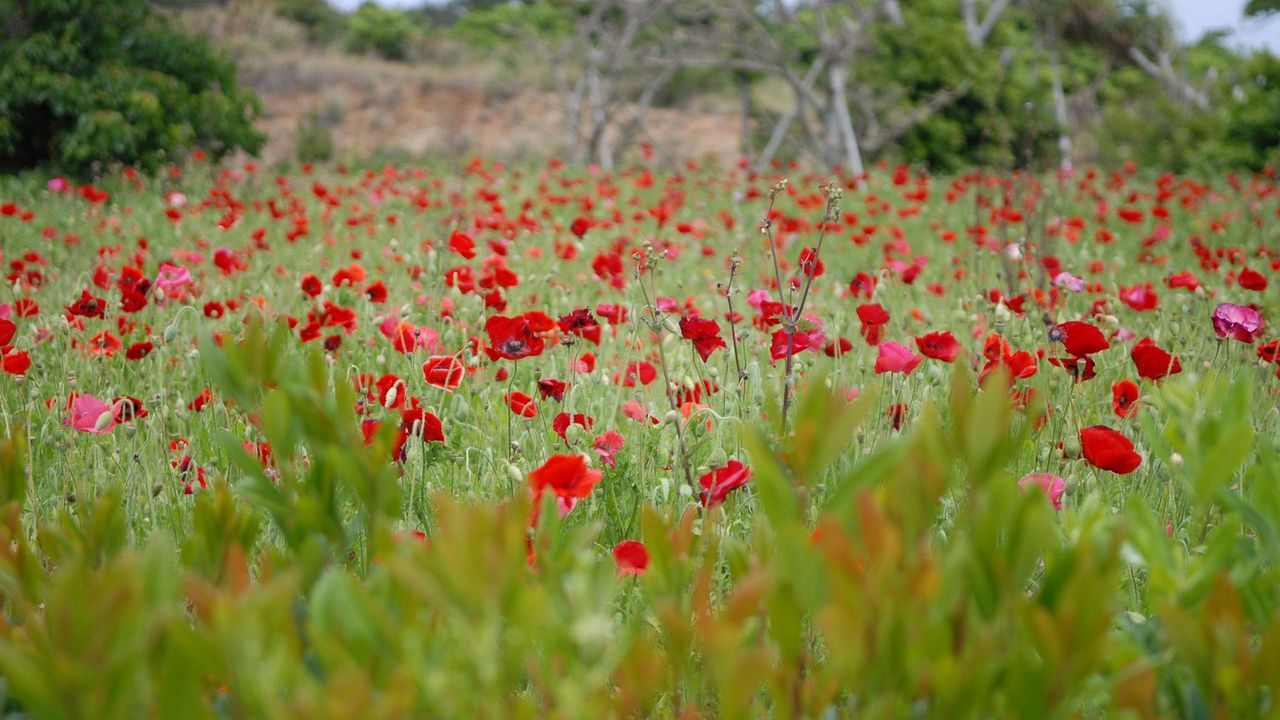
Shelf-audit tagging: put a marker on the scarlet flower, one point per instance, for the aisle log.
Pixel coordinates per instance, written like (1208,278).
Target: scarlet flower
(1080,338)
(443,371)
(15,362)
(561,423)
(1107,449)
(200,401)
(939,346)
(1140,297)
(839,346)
(567,477)
(511,338)
(1237,322)
(7,331)
(873,317)
(1153,362)
(803,340)
(462,244)
(705,335)
(1080,368)
(607,447)
(311,285)
(579,226)
(811,264)
(718,483)
(392,391)
(521,404)
(376,292)
(1124,396)
(631,557)
(896,358)
(1252,280)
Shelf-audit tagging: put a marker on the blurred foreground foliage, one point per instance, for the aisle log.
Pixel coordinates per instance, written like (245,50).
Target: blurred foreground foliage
(86,83)
(920,583)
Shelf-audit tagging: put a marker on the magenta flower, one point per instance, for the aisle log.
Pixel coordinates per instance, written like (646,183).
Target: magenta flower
(896,358)
(1237,322)
(173,279)
(91,415)
(1051,485)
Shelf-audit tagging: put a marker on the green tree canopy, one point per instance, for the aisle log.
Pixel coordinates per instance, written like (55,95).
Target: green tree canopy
(84,82)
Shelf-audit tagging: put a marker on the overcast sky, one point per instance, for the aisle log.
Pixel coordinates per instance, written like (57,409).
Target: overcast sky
(1194,16)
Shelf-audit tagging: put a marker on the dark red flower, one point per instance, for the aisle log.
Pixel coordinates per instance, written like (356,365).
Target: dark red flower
(87,306)
(311,285)
(1107,449)
(139,350)
(462,244)
(1080,368)
(561,423)
(582,323)
(705,335)
(579,226)
(552,388)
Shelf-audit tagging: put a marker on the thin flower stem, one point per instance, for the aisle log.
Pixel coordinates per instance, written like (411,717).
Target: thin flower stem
(658,326)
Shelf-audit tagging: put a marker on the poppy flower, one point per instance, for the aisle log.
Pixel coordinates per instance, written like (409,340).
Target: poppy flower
(87,306)
(566,476)
(7,331)
(607,447)
(89,414)
(1140,297)
(552,388)
(200,401)
(521,404)
(127,409)
(631,557)
(939,346)
(1107,449)
(896,358)
(1124,396)
(873,317)
(443,371)
(582,323)
(1237,322)
(810,264)
(705,335)
(803,340)
(717,484)
(1051,485)
(392,391)
(1152,361)
(512,338)
(563,421)
(839,346)
(1079,368)
(1252,280)
(462,244)
(16,362)
(579,226)
(1080,338)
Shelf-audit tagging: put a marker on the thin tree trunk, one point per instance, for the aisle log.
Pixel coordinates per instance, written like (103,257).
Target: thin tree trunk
(1060,105)
(853,155)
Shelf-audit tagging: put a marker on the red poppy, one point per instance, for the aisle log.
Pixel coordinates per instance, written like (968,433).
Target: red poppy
(7,331)
(443,371)
(462,244)
(1153,362)
(377,292)
(631,557)
(582,323)
(392,391)
(1140,297)
(579,226)
(718,483)
(873,317)
(607,447)
(1079,368)
(552,388)
(811,264)
(705,335)
(16,362)
(1080,338)
(566,476)
(1252,280)
(87,306)
(1124,395)
(311,285)
(201,400)
(512,338)
(521,404)
(839,346)
(1107,449)
(563,421)
(939,346)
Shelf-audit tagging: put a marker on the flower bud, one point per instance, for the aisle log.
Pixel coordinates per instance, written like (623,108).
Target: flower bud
(170,331)
(104,421)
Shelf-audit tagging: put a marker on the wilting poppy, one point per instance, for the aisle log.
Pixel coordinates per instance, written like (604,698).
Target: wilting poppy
(717,484)
(705,335)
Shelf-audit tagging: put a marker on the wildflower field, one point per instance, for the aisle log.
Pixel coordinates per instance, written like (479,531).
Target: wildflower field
(549,441)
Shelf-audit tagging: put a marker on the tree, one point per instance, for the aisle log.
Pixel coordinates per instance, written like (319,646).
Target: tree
(85,82)
(1261,8)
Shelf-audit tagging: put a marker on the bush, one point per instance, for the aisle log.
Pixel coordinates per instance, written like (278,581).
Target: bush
(86,83)
(383,32)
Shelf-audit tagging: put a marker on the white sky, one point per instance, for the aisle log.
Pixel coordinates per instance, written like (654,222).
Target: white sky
(1194,16)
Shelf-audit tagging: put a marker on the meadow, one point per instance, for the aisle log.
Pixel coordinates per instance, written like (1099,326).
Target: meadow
(551,441)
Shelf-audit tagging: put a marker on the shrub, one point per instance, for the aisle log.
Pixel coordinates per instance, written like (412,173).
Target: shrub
(86,83)
(383,32)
